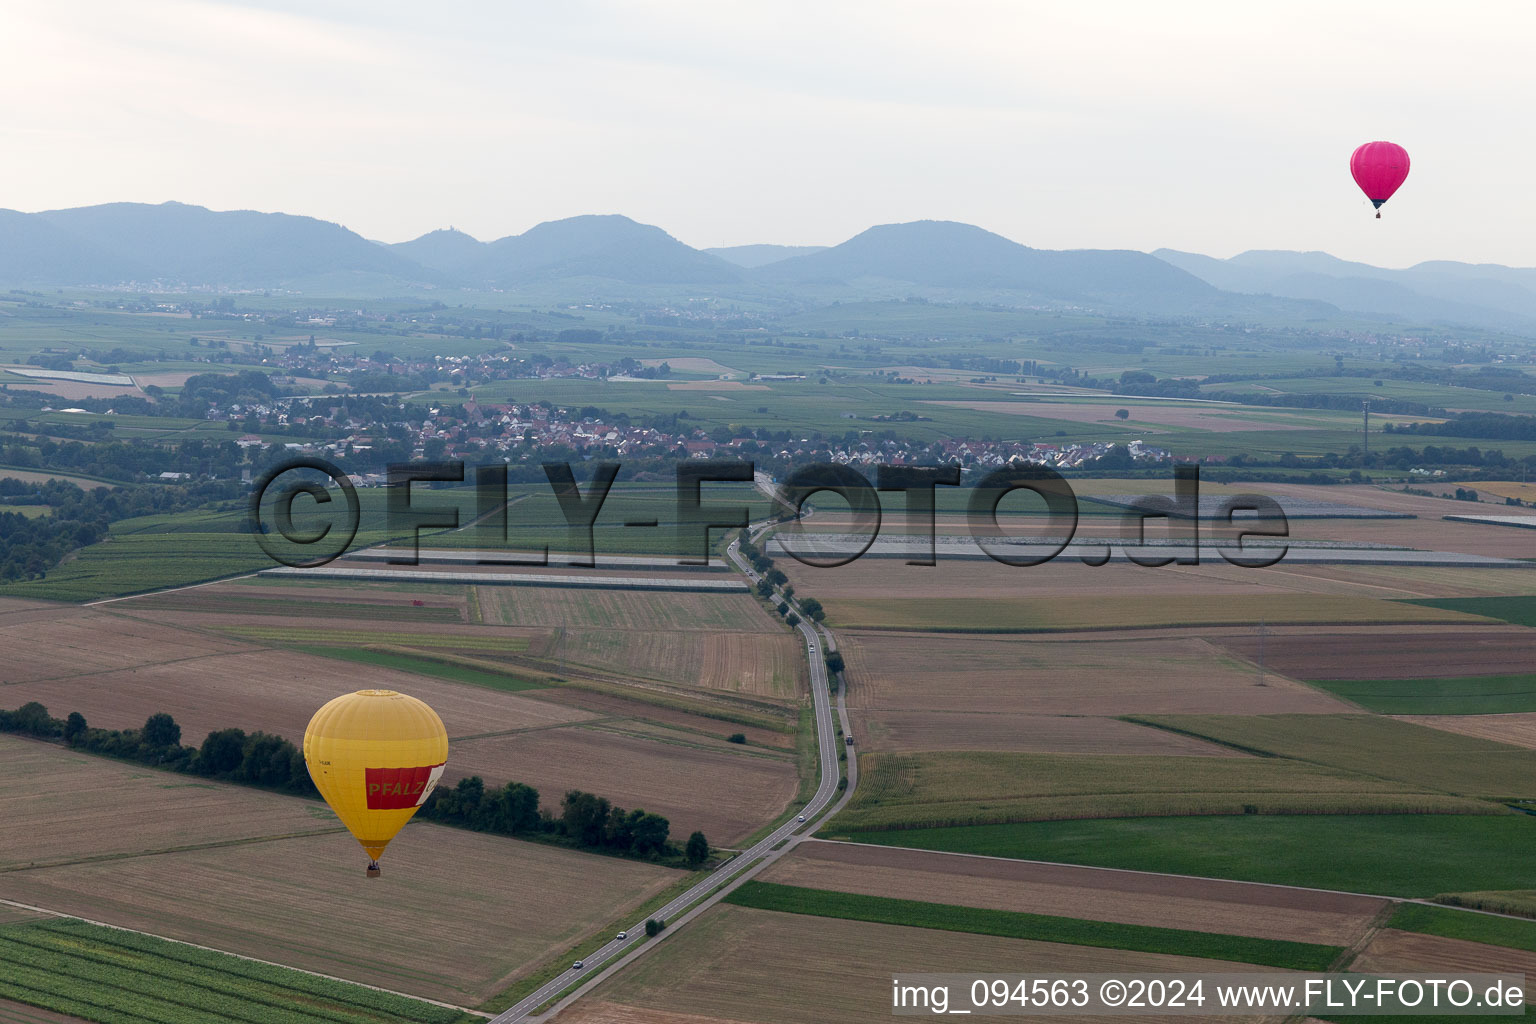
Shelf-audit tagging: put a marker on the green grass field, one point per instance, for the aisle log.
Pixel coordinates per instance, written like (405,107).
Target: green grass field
(1372,746)
(117,977)
(1461,695)
(1459,924)
(1519,610)
(1408,855)
(936,789)
(1299,956)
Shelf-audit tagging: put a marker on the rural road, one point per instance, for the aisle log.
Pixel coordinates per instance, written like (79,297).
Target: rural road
(744,865)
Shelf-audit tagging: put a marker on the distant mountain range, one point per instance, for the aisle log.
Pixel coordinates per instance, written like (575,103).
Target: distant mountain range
(1482,295)
(174,245)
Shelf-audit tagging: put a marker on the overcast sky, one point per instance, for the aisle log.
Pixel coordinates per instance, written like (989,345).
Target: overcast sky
(1211,127)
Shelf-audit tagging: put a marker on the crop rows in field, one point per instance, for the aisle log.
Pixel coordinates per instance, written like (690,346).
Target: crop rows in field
(106,975)
(621,609)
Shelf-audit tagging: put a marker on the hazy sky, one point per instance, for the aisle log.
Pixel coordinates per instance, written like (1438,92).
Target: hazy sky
(1212,127)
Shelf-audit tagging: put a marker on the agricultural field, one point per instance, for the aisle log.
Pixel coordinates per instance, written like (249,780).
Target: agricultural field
(1014,924)
(740,964)
(761,665)
(942,789)
(1083,675)
(1517,730)
(624,610)
(1464,695)
(20,1013)
(1400,855)
(108,975)
(1371,745)
(62,807)
(725,790)
(207,682)
(1040,615)
(1200,905)
(1392,950)
(1404,653)
(234,868)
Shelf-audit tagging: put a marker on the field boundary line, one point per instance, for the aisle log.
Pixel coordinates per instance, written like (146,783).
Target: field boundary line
(134,854)
(168,590)
(240,956)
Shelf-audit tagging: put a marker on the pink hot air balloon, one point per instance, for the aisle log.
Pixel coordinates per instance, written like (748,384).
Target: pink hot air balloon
(1379,169)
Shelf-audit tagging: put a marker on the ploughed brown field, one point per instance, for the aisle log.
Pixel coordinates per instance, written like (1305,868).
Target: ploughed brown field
(1405,653)
(1088,676)
(1410,952)
(476,910)
(58,807)
(1518,728)
(725,791)
(1129,897)
(738,964)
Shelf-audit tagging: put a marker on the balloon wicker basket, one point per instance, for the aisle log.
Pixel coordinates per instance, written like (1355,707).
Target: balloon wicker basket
(373,869)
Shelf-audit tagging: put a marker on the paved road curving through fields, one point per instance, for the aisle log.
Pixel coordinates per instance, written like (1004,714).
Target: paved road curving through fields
(738,869)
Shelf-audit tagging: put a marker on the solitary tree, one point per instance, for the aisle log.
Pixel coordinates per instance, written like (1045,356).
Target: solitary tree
(1122,414)
(697,850)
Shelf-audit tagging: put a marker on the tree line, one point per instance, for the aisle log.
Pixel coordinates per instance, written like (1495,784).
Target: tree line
(586,820)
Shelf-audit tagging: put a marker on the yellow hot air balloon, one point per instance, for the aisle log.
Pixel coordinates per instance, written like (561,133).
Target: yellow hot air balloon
(375,756)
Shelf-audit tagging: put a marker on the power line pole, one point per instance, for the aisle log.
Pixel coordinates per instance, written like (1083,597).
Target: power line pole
(1365,429)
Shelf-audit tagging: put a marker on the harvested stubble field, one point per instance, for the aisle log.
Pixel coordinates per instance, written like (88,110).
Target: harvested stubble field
(1201,905)
(503,906)
(1410,952)
(1518,730)
(624,609)
(59,807)
(870,579)
(733,963)
(1396,654)
(617,706)
(764,665)
(931,729)
(64,642)
(726,793)
(319,604)
(939,790)
(1113,611)
(1382,748)
(270,690)
(1088,675)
